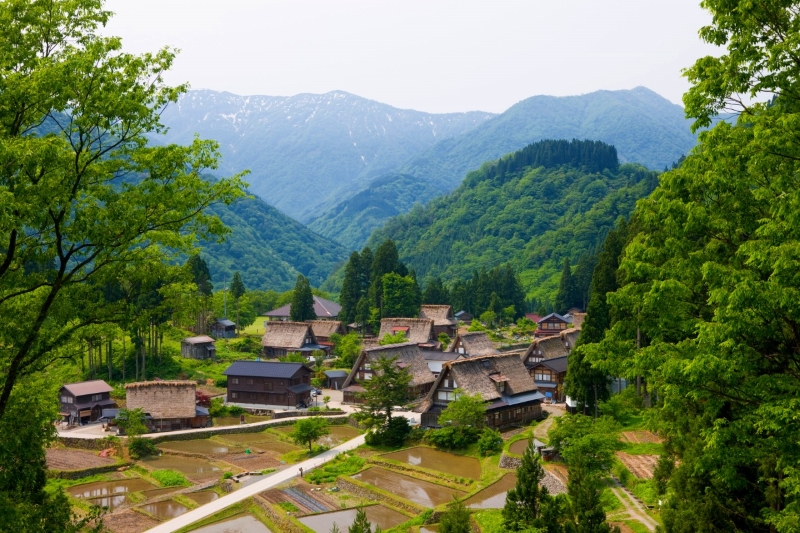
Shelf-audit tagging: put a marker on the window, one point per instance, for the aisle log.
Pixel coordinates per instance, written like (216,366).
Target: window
(367,366)
(501,386)
(249,381)
(234,395)
(461,350)
(445,395)
(66,399)
(367,375)
(234,381)
(268,385)
(97,397)
(542,375)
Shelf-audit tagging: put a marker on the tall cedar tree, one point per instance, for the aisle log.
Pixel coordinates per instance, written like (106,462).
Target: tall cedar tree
(237,291)
(565,298)
(352,289)
(302,308)
(583,381)
(361,524)
(524,503)
(455,519)
(401,297)
(387,388)
(386,261)
(435,293)
(587,507)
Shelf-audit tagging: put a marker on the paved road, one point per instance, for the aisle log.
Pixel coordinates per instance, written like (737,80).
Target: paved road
(251,490)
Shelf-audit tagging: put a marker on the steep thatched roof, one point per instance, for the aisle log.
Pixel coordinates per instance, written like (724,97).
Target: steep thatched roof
(555,346)
(474,343)
(569,336)
(287,335)
(420,330)
(326,328)
(408,355)
(577,319)
(163,399)
(480,375)
(442,315)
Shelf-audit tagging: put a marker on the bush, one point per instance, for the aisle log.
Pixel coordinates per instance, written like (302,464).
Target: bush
(393,435)
(490,442)
(218,408)
(140,447)
(450,437)
(235,410)
(344,464)
(221,382)
(169,478)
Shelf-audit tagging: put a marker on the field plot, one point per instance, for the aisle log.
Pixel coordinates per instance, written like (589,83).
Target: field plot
(641,466)
(128,521)
(638,437)
(68,459)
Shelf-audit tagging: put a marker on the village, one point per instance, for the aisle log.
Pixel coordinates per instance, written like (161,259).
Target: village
(245,445)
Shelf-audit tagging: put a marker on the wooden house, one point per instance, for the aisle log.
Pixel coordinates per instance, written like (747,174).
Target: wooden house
(436,360)
(549,375)
(268,383)
(223,329)
(473,343)
(408,356)
(417,330)
(323,329)
(334,379)
(200,347)
(324,309)
(84,401)
(443,319)
(281,338)
(169,405)
(552,324)
(463,317)
(502,381)
(551,347)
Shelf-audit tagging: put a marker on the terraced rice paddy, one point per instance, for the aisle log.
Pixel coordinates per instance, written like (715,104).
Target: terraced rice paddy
(203,497)
(449,463)
(186,465)
(493,496)
(378,515)
(519,446)
(111,494)
(415,490)
(242,523)
(202,446)
(338,434)
(165,510)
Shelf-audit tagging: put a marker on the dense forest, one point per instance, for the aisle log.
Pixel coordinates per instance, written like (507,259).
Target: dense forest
(551,201)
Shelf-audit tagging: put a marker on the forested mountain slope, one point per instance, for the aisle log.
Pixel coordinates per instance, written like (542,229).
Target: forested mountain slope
(532,208)
(268,248)
(309,151)
(644,127)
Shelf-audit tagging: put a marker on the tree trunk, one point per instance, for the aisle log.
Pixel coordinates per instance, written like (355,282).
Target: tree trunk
(108,357)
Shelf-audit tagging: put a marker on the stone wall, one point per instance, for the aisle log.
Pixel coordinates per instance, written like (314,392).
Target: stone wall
(357,489)
(279,519)
(90,444)
(510,462)
(77,474)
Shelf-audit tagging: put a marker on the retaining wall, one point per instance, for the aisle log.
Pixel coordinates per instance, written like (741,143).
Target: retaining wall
(226,430)
(77,474)
(280,519)
(353,487)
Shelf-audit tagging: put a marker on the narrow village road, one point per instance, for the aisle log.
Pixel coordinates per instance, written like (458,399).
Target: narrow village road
(632,507)
(251,490)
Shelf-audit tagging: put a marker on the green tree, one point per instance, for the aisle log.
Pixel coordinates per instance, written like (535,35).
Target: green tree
(524,503)
(352,289)
(565,297)
(346,348)
(302,308)
(455,519)
(397,338)
(238,290)
(386,261)
(466,411)
(400,296)
(435,292)
(387,388)
(361,524)
(584,488)
(308,430)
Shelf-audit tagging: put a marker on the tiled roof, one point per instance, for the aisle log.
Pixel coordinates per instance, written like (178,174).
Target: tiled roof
(262,369)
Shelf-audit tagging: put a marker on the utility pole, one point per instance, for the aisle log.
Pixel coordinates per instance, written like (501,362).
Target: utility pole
(225,300)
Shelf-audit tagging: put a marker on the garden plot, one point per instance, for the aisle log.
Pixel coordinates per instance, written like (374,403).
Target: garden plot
(69,459)
(638,437)
(641,466)
(378,515)
(128,521)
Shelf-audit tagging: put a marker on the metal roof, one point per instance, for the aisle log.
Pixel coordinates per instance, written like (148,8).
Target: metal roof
(556,315)
(96,386)
(522,398)
(556,364)
(200,339)
(263,369)
(336,373)
(226,322)
(300,388)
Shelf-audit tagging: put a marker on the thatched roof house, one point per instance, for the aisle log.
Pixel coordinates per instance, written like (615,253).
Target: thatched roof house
(473,343)
(551,347)
(502,381)
(281,338)
(408,355)
(442,316)
(417,330)
(163,399)
(323,329)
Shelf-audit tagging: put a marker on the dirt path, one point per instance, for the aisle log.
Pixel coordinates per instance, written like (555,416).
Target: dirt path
(541,429)
(632,507)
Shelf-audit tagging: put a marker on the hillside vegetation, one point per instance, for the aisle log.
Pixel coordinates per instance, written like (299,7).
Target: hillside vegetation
(532,208)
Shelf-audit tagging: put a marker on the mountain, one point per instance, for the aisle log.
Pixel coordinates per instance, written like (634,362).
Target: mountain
(532,208)
(644,127)
(309,151)
(269,248)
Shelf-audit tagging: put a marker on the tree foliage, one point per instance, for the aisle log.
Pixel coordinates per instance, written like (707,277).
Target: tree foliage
(455,519)
(307,430)
(387,388)
(302,308)
(401,296)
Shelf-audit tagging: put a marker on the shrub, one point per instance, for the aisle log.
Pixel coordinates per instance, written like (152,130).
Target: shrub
(235,410)
(140,447)
(450,437)
(490,442)
(221,382)
(169,478)
(227,475)
(344,464)
(394,434)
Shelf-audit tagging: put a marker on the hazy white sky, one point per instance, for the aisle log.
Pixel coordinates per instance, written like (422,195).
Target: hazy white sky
(432,55)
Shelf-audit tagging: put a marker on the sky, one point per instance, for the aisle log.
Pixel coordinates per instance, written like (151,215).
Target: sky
(433,55)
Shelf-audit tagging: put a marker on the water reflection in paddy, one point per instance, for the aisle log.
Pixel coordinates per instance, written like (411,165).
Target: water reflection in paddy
(378,515)
(106,488)
(449,463)
(165,510)
(338,434)
(204,446)
(493,496)
(415,490)
(519,446)
(243,523)
(204,497)
(187,465)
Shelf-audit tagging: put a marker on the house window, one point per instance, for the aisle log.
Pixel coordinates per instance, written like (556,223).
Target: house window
(97,397)
(445,395)
(542,375)
(234,381)
(367,375)
(461,350)
(234,395)
(249,381)
(367,366)
(501,386)
(268,385)
(66,399)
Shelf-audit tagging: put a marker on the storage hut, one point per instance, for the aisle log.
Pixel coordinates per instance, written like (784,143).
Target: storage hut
(200,347)
(223,329)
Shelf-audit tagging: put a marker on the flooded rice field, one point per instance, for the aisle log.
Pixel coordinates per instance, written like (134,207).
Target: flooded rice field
(203,497)
(204,446)
(242,523)
(108,488)
(268,442)
(428,529)
(155,493)
(493,496)
(449,463)
(415,490)
(220,421)
(519,446)
(185,465)
(165,510)
(338,434)
(378,515)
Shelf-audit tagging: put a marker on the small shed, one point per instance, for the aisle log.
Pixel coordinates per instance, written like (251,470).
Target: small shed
(200,347)
(463,316)
(335,379)
(223,329)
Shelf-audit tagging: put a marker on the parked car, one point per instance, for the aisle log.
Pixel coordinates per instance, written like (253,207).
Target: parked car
(315,391)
